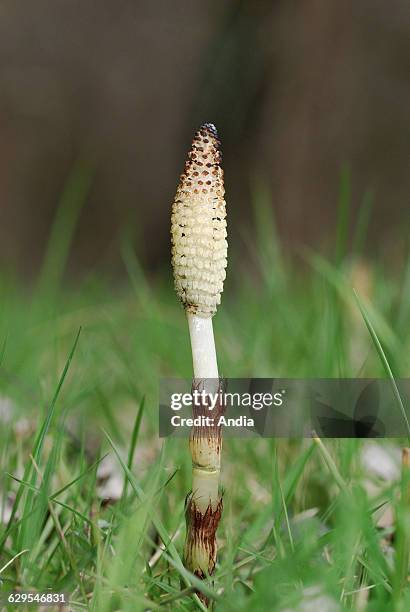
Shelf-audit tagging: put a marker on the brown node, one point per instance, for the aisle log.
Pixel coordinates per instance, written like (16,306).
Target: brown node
(201,533)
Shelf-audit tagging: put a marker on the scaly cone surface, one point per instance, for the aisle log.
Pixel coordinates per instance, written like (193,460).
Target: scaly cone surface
(198,227)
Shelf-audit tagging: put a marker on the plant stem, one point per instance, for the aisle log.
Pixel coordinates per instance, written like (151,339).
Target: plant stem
(204,504)
(203,347)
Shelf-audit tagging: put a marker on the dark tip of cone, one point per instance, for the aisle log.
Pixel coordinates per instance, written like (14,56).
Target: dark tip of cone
(209,127)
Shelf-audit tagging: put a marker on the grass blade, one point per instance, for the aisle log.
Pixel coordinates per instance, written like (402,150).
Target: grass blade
(384,361)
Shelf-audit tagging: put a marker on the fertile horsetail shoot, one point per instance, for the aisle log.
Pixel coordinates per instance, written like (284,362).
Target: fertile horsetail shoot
(199,258)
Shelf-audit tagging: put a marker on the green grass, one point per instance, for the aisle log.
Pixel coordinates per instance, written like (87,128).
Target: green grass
(301,517)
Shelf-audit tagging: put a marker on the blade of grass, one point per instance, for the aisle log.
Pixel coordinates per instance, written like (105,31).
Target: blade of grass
(133,444)
(72,200)
(30,474)
(346,292)
(142,497)
(38,445)
(384,361)
(333,469)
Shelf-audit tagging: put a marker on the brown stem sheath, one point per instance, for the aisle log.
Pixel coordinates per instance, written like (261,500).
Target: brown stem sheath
(203,505)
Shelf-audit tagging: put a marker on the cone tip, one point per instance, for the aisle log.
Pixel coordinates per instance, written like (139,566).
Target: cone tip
(210,128)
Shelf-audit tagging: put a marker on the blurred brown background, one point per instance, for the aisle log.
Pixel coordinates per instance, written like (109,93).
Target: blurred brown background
(296,89)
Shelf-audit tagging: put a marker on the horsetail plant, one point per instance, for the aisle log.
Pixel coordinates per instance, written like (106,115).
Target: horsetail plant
(199,258)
